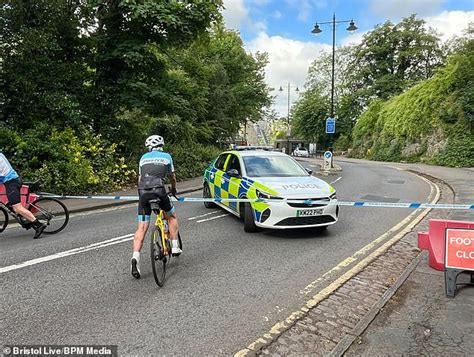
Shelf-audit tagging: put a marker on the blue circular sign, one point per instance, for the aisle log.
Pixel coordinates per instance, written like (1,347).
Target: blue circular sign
(327,154)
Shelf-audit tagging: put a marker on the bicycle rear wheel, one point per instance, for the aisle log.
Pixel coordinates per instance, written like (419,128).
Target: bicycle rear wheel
(52,212)
(158,258)
(3,219)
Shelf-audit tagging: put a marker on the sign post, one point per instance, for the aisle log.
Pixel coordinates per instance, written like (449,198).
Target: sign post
(459,257)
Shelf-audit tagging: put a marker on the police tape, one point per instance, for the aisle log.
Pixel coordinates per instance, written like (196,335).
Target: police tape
(301,203)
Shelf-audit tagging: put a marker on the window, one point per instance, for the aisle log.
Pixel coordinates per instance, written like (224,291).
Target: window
(234,163)
(221,161)
(272,166)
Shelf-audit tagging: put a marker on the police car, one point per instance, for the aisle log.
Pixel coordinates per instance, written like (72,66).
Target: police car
(254,174)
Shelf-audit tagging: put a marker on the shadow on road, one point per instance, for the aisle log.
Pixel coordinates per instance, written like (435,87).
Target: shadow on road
(296,233)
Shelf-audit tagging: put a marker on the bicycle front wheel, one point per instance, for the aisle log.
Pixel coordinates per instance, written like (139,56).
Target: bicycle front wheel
(158,258)
(3,219)
(52,212)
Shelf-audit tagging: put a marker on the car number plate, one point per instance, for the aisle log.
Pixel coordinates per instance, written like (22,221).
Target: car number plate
(309,212)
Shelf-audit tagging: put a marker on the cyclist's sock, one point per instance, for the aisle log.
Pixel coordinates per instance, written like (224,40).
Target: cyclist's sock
(175,249)
(136,255)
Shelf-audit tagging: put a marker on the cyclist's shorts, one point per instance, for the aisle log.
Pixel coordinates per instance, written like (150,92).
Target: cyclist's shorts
(12,189)
(144,207)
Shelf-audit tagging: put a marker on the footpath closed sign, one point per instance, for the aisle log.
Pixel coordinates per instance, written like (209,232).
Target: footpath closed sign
(460,249)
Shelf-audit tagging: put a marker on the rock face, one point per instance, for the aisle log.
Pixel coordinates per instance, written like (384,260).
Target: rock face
(412,149)
(427,146)
(435,143)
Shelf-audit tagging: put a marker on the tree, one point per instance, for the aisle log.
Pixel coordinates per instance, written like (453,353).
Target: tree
(309,116)
(126,37)
(319,82)
(392,58)
(43,61)
(220,85)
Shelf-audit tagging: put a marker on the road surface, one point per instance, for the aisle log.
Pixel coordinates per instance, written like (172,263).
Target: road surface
(228,287)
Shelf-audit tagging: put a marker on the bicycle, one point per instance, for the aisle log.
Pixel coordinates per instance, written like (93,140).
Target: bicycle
(160,244)
(50,211)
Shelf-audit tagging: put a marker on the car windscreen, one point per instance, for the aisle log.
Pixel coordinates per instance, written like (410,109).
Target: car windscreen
(272,166)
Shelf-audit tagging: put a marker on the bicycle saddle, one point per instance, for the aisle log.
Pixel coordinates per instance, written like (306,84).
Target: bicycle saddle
(155,204)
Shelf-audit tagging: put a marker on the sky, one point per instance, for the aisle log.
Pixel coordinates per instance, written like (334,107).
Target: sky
(282,28)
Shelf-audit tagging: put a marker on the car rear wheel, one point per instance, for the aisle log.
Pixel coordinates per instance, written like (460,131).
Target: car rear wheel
(249,221)
(206,193)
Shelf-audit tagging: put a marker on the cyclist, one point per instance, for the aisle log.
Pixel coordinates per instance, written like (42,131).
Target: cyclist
(12,182)
(154,167)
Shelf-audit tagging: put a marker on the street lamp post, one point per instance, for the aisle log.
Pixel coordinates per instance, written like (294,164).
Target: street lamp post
(288,116)
(317,30)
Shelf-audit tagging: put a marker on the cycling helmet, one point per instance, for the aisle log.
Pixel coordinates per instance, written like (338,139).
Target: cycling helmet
(154,142)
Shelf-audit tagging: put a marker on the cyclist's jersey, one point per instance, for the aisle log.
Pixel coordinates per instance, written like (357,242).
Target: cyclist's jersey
(6,171)
(154,167)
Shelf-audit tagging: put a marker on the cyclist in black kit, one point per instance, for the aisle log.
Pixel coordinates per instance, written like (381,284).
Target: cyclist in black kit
(155,167)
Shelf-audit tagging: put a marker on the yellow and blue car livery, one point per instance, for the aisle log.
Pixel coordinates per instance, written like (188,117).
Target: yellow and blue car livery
(228,177)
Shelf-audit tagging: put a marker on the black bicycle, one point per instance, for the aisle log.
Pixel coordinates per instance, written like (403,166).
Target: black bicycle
(49,211)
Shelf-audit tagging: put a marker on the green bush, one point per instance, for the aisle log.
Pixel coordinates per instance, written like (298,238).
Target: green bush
(458,153)
(432,112)
(65,162)
(342,143)
(191,160)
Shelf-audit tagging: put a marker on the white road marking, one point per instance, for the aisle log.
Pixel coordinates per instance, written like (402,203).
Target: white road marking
(212,218)
(105,243)
(202,215)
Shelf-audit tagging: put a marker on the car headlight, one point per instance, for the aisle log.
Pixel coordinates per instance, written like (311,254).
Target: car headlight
(333,196)
(267,196)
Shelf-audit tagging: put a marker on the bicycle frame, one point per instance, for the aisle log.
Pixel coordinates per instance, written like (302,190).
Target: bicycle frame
(160,224)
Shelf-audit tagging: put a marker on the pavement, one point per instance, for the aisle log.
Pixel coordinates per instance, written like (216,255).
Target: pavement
(415,319)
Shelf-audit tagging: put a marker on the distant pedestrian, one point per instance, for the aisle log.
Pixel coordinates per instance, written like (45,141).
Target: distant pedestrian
(12,182)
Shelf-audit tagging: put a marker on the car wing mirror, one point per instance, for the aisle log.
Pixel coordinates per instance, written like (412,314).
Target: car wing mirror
(309,171)
(233,173)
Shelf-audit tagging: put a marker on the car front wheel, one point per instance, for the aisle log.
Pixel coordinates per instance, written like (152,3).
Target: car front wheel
(249,221)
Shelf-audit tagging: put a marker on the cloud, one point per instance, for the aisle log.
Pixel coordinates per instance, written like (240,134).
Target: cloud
(235,13)
(236,16)
(446,23)
(277,14)
(289,61)
(450,23)
(395,9)
(353,39)
(306,8)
